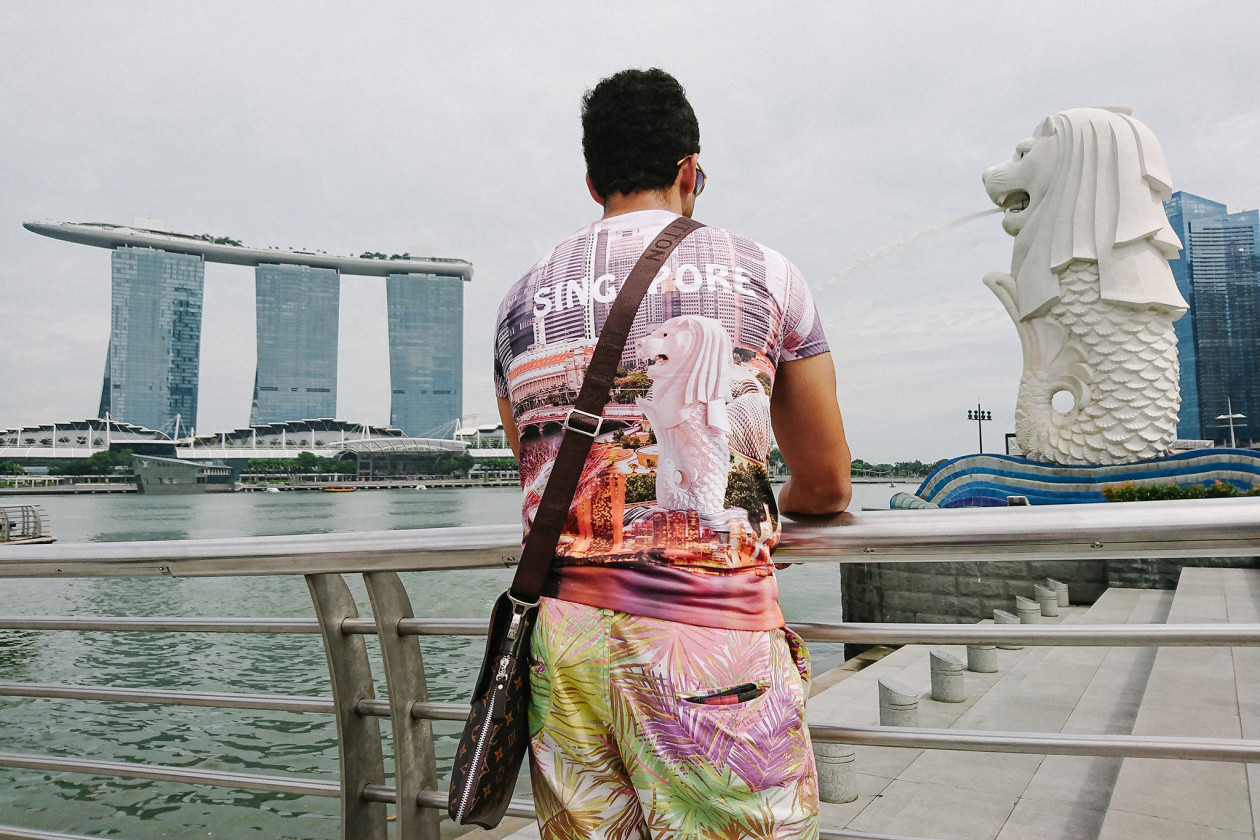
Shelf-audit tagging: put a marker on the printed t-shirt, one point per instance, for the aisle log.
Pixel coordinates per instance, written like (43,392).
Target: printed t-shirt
(674,516)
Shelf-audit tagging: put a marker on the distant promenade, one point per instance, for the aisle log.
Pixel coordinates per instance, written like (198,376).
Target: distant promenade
(66,486)
(49,485)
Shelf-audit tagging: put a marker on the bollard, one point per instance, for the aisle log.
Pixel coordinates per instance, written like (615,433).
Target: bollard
(1003,617)
(1047,600)
(947,678)
(1060,589)
(898,704)
(837,772)
(982,659)
(1028,610)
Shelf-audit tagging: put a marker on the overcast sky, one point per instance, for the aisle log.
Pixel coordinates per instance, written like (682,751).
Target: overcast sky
(829,130)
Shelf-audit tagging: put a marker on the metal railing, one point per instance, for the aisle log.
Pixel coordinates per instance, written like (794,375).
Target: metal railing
(1216,528)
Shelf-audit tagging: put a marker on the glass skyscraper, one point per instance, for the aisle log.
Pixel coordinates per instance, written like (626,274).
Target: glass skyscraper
(1220,348)
(152,366)
(297,308)
(426,353)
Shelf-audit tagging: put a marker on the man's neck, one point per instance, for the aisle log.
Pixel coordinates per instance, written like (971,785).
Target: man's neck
(618,204)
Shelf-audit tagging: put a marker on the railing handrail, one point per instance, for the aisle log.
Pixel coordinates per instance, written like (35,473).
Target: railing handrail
(1074,635)
(1188,528)
(1224,527)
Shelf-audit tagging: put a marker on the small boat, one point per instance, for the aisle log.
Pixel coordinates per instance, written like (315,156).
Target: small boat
(339,489)
(273,490)
(421,487)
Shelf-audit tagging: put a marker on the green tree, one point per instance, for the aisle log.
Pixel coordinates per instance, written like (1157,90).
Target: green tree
(459,464)
(11,468)
(102,463)
(777,465)
(748,487)
(640,487)
(307,462)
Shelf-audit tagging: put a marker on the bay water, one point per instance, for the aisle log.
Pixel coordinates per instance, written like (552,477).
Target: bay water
(244,741)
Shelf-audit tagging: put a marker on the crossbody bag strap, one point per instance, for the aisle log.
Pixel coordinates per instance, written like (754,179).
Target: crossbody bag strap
(585,420)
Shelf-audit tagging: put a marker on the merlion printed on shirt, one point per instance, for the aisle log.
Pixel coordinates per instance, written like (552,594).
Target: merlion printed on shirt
(688,361)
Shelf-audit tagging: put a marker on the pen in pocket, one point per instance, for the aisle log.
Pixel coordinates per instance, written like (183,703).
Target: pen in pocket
(730,696)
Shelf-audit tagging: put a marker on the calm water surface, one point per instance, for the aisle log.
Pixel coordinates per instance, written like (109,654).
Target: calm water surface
(241,740)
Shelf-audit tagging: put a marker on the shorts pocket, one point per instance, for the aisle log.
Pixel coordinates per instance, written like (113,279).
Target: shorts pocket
(760,739)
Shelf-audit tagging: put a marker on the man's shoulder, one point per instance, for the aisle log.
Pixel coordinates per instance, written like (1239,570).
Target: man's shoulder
(747,244)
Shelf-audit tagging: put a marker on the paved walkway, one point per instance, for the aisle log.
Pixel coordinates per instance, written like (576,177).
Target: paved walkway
(1204,693)
(974,795)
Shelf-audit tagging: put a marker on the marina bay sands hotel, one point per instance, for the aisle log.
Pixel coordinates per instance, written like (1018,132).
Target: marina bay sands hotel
(153,361)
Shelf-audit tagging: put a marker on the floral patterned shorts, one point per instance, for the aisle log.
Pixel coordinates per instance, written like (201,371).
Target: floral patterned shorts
(642,728)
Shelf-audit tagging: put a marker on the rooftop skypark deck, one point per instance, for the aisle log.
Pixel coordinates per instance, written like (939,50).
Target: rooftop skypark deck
(118,236)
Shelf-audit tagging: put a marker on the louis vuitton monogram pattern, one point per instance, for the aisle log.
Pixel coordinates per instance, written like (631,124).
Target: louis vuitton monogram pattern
(495,737)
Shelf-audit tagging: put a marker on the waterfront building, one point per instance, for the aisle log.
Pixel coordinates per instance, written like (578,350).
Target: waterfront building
(151,371)
(1182,209)
(296,375)
(426,353)
(152,364)
(1218,272)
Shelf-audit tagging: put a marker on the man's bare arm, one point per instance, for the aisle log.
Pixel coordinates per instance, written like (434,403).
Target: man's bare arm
(810,434)
(509,427)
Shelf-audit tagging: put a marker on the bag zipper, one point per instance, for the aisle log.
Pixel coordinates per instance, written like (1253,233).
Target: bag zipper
(494,708)
(492,713)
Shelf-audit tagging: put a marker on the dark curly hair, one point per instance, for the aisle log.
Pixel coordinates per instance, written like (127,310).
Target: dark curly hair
(635,127)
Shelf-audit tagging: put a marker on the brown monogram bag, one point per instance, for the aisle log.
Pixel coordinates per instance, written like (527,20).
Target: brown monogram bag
(496,735)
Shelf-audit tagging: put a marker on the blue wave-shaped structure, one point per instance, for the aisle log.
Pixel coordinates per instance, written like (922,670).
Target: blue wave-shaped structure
(987,480)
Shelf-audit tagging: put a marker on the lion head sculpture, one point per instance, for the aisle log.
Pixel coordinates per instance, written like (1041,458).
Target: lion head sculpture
(1088,185)
(688,360)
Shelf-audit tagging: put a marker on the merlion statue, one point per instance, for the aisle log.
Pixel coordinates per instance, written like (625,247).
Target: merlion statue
(689,361)
(1090,290)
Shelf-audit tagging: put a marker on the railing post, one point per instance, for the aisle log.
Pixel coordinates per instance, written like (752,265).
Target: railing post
(358,736)
(1060,590)
(1004,617)
(898,704)
(947,678)
(415,765)
(1047,599)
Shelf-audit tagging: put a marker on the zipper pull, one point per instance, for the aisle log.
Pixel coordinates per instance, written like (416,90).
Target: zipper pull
(498,694)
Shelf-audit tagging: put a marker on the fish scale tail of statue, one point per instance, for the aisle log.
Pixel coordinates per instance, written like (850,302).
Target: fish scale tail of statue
(1090,290)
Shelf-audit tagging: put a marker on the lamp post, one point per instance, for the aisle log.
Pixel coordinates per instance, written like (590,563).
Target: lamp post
(980,416)
(1231,417)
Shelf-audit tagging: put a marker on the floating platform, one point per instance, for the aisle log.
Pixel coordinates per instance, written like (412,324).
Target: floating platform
(23,525)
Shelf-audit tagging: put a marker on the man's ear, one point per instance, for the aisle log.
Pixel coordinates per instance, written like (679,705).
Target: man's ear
(685,180)
(591,187)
